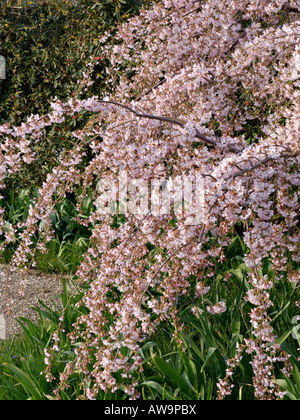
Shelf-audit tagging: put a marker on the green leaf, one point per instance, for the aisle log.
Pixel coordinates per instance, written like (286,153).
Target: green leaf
(170,372)
(210,352)
(12,390)
(190,342)
(236,323)
(284,336)
(26,381)
(158,388)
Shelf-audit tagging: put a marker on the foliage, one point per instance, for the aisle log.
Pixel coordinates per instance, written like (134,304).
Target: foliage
(47,46)
(43,63)
(23,359)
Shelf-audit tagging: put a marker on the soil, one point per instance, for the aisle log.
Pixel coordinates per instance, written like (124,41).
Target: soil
(17,301)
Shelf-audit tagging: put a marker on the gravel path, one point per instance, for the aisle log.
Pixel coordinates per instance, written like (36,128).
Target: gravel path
(15,304)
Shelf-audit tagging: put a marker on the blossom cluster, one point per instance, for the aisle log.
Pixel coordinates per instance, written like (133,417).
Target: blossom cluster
(198,73)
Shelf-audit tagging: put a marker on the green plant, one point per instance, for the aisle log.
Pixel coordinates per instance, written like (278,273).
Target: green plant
(62,256)
(47,46)
(43,63)
(187,364)
(23,360)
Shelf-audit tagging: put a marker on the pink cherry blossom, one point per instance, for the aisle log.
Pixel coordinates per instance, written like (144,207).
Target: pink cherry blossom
(176,111)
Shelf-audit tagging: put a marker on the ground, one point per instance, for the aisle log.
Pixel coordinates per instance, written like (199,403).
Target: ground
(15,302)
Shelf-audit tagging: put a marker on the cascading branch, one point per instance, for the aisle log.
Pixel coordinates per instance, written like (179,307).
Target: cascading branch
(197,74)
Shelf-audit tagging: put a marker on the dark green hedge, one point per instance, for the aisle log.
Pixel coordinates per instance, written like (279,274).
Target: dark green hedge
(46,44)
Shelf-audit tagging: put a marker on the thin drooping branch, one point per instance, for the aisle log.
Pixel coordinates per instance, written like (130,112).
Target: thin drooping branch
(290,9)
(151,89)
(161,267)
(174,121)
(200,239)
(257,165)
(252,168)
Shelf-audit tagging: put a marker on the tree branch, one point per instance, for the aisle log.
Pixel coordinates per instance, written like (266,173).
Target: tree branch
(290,9)
(151,89)
(174,121)
(257,165)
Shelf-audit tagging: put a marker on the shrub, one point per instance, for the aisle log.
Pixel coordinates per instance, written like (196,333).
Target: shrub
(185,83)
(47,46)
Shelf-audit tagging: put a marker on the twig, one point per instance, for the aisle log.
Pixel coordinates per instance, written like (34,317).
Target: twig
(151,89)
(174,121)
(257,165)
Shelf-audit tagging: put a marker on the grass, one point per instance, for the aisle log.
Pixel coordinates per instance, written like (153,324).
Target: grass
(62,257)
